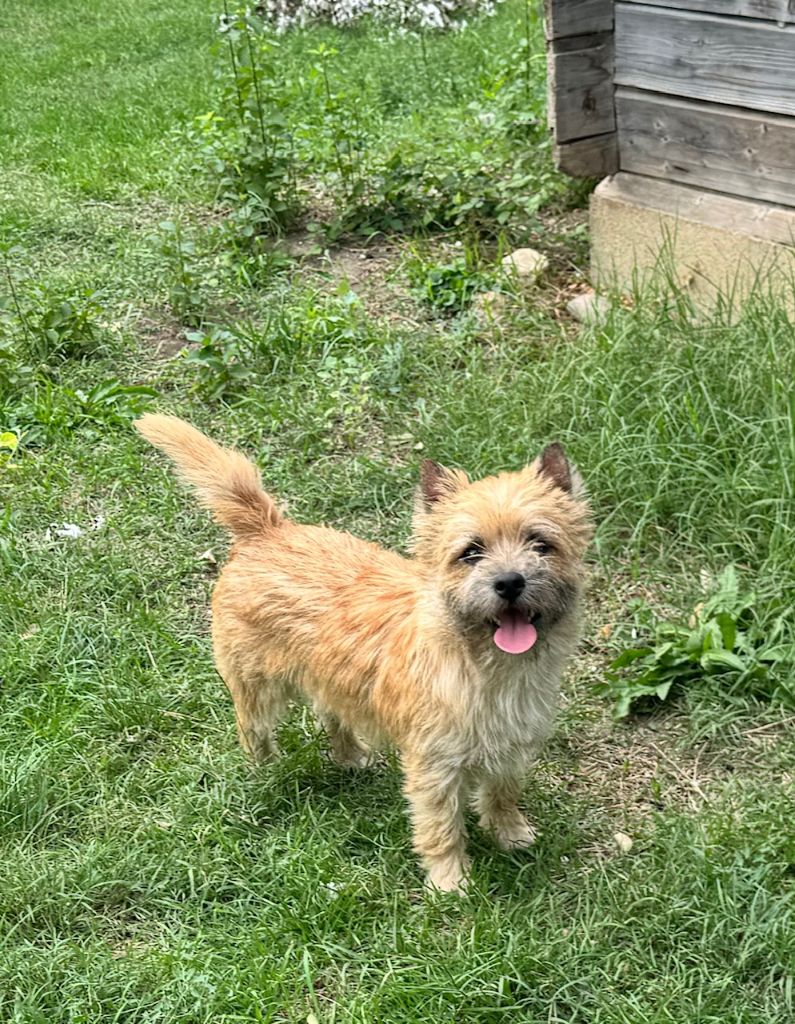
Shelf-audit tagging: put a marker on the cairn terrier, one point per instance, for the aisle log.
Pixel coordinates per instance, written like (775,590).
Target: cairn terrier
(455,655)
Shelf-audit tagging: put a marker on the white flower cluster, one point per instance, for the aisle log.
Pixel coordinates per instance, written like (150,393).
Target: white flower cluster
(409,14)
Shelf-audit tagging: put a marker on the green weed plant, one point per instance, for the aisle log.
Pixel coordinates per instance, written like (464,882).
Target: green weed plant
(725,639)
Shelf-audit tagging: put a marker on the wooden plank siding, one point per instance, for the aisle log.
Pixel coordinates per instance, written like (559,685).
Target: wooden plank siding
(768,10)
(577,17)
(581,88)
(716,147)
(593,157)
(728,60)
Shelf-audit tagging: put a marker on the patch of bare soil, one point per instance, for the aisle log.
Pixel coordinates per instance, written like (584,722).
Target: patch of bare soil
(369,268)
(161,334)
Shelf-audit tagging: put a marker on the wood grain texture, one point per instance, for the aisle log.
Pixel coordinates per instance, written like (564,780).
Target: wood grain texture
(581,92)
(593,157)
(700,56)
(577,17)
(716,147)
(767,10)
(760,220)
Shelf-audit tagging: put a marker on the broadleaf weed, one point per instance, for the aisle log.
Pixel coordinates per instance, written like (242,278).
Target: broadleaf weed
(725,636)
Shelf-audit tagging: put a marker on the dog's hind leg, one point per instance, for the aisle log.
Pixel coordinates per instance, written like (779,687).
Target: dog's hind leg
(345,747)
(259,704)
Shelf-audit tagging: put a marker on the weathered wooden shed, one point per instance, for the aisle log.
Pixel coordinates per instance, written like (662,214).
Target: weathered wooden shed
(688,108)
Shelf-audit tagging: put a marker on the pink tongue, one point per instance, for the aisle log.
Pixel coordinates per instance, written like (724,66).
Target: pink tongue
(515,634)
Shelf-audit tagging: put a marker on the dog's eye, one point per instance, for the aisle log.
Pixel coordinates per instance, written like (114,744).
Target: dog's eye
(472,554)
(540,544)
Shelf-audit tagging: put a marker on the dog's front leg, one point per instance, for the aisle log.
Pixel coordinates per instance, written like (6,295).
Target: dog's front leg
(495,799)
(436,797)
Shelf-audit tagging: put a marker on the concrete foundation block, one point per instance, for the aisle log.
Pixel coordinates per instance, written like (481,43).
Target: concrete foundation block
(706,244)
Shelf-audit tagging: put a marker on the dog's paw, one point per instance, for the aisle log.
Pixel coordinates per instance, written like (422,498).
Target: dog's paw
(263,755)
(352,755)
(513,835)
(449,875)
(357,759)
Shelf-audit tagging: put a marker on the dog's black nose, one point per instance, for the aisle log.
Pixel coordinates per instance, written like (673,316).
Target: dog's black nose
(509,585)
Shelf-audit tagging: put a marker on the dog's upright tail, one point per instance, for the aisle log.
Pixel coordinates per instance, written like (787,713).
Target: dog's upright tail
(227,482)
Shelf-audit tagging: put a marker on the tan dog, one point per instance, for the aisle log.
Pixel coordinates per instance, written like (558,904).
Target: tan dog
(455,655)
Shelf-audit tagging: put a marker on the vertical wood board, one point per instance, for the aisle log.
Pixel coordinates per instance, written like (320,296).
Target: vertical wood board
(593,157)
(581,92)
(577,17)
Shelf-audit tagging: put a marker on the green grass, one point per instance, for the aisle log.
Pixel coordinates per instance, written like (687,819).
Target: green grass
(89,90)
(147,874)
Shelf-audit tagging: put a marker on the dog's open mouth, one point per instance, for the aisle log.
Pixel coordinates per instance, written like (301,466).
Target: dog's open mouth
(515,632)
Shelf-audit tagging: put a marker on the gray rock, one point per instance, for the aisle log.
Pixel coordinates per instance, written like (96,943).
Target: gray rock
(589,308)
(526,264)
(489,305)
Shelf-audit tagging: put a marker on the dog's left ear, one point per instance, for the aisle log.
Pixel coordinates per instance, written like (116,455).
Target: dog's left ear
(555,466)
(437,483)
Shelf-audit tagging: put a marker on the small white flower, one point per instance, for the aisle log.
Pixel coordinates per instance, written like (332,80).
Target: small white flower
(423,14)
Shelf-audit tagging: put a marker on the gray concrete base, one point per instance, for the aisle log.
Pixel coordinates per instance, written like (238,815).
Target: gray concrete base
(704,243)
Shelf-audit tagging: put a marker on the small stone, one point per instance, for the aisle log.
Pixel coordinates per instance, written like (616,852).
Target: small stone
(489,304)
(623,841)
(589,308)
(69,530)
(527,264)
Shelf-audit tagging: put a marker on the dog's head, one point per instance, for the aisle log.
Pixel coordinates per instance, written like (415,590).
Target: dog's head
(506,551)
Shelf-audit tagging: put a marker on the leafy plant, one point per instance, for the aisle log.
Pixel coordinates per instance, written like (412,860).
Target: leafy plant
(723,637)
(346,381)
(339,124)
(228,360)
(15,375)
(223,362)
(9,443)
(49,323)
(48,410)
(278,119)
(185,294)
(252,260)
(448,288)
(250,145)
(63,326)
(110,401)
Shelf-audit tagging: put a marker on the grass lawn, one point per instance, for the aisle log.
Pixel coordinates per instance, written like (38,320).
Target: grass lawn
(147,873)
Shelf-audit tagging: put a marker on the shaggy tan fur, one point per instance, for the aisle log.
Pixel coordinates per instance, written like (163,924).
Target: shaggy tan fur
(402,650)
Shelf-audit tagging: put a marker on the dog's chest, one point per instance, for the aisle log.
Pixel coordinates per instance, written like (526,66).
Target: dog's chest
(509,713)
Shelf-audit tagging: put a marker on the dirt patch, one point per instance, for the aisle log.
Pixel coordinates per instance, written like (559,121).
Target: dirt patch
(372,269)
(368,268)
(161,335)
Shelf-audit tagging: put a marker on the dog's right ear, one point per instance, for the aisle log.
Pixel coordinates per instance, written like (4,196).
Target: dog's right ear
(437,483)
